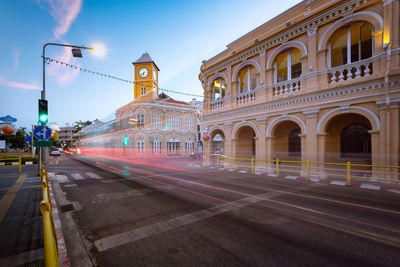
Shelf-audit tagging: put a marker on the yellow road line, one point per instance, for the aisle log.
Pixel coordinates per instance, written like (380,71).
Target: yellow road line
(8,198)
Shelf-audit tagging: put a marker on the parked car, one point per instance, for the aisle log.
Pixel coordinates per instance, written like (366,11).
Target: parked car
(55,152)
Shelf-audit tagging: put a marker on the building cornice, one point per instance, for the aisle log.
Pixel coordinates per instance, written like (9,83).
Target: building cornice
(279,105)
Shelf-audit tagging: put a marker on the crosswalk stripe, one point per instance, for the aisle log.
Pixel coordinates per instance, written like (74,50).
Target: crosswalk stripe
(92,175)
(77,176)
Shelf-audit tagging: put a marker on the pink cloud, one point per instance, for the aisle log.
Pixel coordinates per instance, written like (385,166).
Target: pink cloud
(63,11)
(24,86)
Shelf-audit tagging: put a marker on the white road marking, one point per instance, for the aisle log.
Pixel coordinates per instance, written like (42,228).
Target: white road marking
(77,176)
(370,186)
(164,226)
(60,178)
(338,182)
(314,179)
(291,177)
(92,175)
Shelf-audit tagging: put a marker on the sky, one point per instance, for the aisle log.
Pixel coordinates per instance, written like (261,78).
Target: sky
(177,34)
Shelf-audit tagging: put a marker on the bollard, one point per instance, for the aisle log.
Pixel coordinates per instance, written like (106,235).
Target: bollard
(19,165)
(277,167)
(233,163)
(252,165)
(308,170)
(348,174)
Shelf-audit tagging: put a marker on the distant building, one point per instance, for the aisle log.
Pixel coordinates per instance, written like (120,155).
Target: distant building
(66,136)
(152,124)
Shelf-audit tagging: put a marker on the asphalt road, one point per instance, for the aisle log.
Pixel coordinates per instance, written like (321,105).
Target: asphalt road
(121,212)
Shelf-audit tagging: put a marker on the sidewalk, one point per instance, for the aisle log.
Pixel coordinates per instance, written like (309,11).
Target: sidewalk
(21,228)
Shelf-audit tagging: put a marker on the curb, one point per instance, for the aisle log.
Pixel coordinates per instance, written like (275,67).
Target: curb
(313,180)
(63,257)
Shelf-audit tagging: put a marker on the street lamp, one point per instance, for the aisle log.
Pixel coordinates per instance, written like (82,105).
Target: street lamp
(76,52)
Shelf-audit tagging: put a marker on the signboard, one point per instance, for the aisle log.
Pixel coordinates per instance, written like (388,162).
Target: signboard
(28,139)
(42,132)
(42,143)
(2,144)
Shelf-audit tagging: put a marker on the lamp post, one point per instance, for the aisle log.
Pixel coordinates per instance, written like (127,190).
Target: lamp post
(76,52)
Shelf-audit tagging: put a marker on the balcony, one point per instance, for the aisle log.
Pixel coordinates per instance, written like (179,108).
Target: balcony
(286,87)
(351,71)
(245,97)
(217,104)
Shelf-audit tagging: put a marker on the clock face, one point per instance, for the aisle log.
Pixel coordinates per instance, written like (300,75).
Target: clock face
(143,72)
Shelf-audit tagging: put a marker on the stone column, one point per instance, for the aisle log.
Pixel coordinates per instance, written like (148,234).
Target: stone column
(261,144)
(270,166)
(321,157)
(303,171)
(228,144)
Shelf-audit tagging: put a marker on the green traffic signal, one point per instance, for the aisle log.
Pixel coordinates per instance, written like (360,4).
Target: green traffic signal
(43,114)
(125,141)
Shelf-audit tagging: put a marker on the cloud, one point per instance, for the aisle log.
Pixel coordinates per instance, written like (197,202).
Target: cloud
(63,74)
(24,86)
(15,56)
(63,11)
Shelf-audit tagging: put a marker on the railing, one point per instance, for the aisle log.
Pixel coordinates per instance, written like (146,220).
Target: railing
(13,163)
(351,71)
(217,104)
(308,170)
(286,87)
(49,231)
(245,97)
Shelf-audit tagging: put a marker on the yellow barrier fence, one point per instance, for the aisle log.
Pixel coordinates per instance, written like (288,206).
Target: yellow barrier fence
(3,163)
(322,170)
(49,231)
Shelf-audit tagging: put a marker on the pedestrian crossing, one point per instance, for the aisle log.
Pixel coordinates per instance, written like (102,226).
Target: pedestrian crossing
(78,176)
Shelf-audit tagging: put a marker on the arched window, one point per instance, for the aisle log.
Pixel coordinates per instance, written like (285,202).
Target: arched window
(247,79)
(218,89)
(355,141)
(294,142)
(287,65)
(350,44)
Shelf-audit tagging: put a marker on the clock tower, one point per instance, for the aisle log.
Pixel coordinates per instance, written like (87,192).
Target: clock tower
(146,78)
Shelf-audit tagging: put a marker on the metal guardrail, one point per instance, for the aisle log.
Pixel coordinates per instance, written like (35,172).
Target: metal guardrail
(49,231)
(10,160)
(346,171)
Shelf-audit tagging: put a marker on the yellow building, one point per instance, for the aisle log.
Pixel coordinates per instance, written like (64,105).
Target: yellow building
(153,124)
(319,82)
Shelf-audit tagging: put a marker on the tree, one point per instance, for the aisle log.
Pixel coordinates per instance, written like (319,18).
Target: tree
(17,139)
(81,124)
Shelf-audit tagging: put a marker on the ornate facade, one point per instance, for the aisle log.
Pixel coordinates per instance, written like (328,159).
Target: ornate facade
(319,82)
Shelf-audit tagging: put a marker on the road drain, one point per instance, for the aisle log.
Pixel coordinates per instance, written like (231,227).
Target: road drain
(66,208)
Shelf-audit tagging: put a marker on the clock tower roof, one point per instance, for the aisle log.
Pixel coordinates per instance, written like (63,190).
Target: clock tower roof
(145,58)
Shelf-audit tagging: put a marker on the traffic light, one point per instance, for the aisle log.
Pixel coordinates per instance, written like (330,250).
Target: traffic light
(43,114)
(125,141)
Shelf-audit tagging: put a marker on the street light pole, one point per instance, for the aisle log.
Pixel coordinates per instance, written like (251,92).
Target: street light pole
(42,155)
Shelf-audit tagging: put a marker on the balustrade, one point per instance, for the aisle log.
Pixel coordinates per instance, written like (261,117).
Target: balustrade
(217,104)
(350,71)
(286,87)
(245,97)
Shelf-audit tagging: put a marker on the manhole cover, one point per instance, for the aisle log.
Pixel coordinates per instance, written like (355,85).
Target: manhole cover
(66,208)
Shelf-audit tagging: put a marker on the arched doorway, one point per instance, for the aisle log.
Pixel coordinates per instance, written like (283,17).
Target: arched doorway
(246,143)
(286,142)
(217,142)
(348,139)
(355,141)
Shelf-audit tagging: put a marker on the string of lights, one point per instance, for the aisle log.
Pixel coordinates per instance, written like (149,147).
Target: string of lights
(78,68)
